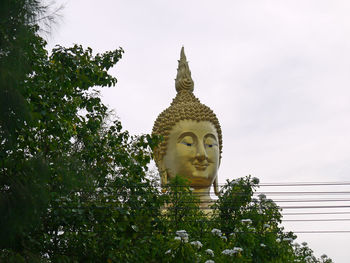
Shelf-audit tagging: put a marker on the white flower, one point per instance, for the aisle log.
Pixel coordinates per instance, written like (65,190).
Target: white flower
(228,252)
(224,238)
(197,244)
(216,232)
(248,221)
(266,225)
(168,252)
(262,245)
(251,228)
(210,252)
(209,261)
(278,240)
(178,238)
(238,249)
(288,239)
(182,234)
(308,259)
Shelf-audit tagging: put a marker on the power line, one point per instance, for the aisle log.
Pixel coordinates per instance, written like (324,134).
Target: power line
(321,232)
(281,193)
(287,220)
(292,207)
(246,232)
(311,200)
(278,201)
(316,206)
(305,192)
(305,183)
(283,207)
(283,184)
(142,184)
(325,220)
(250,232)
(316,213)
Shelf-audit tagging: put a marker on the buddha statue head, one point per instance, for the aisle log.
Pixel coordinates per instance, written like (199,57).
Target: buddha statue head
(192,139)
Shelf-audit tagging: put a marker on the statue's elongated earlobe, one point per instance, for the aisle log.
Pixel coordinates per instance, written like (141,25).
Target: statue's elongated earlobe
(164,178)
(216,186)
(163,175)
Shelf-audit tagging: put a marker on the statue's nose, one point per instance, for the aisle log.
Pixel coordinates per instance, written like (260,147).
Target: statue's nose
(201,152)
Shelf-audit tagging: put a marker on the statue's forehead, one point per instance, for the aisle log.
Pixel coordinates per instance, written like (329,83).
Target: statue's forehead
(200,128)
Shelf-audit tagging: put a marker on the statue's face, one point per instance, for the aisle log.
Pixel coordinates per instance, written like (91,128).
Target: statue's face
(193,152)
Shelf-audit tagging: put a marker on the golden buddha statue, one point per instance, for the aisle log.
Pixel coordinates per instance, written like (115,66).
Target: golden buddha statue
(192,142)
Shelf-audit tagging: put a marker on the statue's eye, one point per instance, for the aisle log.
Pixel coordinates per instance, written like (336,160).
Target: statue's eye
(187,140)
(210,142)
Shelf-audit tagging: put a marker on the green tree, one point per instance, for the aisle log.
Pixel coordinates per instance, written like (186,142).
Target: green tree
(98,197)
(73,185)
(21,193)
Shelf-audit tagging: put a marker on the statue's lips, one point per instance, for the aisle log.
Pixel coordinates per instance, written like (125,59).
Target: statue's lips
(201,167)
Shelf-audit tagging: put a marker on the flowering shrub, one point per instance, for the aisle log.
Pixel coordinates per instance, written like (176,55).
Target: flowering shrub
(239,229)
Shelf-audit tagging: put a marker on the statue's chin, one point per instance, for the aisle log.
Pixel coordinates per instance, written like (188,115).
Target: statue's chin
(200,181)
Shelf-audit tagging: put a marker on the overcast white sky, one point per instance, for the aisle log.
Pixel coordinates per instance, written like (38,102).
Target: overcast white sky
(275,72)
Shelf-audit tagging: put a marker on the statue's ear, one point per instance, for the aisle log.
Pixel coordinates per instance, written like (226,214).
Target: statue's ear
(216,186)
(163,178)
(163,174)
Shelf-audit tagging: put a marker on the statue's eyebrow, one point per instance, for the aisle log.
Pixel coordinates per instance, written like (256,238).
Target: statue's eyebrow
(182,135)
(211,136)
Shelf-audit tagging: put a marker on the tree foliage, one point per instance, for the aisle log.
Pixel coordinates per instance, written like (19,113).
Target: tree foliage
(22,195)
(240,228)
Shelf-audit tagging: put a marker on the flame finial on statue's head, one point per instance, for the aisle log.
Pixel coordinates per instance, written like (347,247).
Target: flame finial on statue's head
(183,81)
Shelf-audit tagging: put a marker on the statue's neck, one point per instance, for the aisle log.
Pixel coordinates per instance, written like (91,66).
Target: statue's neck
(203,194)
